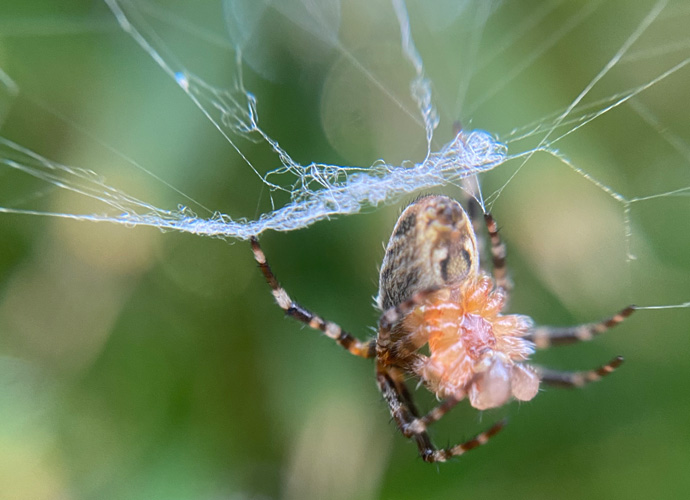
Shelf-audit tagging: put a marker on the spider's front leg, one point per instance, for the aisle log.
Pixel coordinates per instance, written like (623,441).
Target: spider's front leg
(353,345)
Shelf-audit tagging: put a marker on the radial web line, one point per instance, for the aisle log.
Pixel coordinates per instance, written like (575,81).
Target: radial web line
(646,22)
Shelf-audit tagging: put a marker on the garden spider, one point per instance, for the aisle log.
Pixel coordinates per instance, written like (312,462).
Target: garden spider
(432,291)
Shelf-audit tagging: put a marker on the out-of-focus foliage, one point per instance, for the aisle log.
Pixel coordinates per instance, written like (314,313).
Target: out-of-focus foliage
(136,364)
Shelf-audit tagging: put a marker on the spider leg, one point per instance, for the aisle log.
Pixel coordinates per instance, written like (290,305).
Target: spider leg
(577,379)
(481,220)
(498,255)
(439,411)
(432,416)
(544,336)
(353,345)
(389,382)
(385,349)
(401,388)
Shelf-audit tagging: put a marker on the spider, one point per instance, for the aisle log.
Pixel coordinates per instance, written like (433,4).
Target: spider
(433,292)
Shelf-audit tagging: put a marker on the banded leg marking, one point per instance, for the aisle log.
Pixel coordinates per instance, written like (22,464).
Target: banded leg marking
(498,254)
(577,379)
(545,336)
(332,330)
(415,428)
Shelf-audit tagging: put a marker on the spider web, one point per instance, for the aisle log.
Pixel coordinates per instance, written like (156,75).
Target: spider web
(394,80)
(234,118)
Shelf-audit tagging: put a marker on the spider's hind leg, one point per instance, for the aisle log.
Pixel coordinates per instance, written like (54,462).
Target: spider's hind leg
(577,379)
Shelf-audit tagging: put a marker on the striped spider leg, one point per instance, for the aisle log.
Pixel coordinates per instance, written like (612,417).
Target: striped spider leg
(546,336)
(294,310)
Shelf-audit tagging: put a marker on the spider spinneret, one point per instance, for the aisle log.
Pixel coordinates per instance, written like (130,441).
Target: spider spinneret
(432,292)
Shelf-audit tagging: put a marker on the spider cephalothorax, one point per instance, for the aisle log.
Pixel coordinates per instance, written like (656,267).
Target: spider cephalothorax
(433,293)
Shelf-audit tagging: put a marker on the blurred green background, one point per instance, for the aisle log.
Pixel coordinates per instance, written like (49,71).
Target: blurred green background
(136,364)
